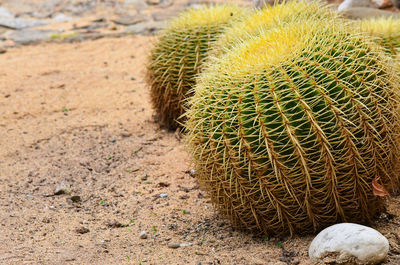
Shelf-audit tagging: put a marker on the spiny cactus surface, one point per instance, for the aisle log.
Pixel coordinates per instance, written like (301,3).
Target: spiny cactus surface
(178,56)
(387,31)
(289,129)
(269,17)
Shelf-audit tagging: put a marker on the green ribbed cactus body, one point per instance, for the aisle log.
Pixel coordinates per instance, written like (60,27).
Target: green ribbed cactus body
(385,29)
(289,129)
(178,56)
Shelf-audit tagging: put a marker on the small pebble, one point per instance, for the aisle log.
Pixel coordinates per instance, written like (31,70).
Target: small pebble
(163,195)
(143,235)
(144,177)
(192,172)
(114,224)
(174,245)
(82,230)
(126,134)
(163,184)
(75,198)
(184,197)
(61,188)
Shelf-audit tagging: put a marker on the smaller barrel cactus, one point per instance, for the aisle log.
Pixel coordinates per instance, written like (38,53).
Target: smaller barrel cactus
(385,29)
(179,53)
(269,17)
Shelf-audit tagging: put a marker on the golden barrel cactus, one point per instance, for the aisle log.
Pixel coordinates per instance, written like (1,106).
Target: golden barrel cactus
(178,56)
(289,129)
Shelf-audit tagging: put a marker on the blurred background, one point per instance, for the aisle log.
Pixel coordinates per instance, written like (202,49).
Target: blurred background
(28,21)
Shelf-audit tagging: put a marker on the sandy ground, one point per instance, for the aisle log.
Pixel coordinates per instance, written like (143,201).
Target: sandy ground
(79,114)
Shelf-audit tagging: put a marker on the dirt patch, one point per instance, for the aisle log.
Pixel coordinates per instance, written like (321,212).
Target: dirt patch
(77,116)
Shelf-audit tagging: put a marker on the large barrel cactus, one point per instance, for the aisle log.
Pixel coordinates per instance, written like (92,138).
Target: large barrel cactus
(178,56)
(289,130)
(385,29)
(269,17)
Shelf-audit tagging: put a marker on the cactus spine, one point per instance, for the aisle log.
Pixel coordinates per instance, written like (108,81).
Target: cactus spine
(289,129)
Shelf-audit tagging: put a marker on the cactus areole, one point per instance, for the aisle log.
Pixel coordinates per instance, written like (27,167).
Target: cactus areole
(290,128)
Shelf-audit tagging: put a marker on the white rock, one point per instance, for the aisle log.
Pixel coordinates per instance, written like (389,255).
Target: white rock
(5,13)
(61,18)
(346,4)
(143,235)
(350,242)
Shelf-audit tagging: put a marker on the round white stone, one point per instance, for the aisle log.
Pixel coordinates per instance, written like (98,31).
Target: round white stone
(347,241)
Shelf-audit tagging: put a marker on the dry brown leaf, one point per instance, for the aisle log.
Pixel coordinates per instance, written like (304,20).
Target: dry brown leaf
(378,189)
